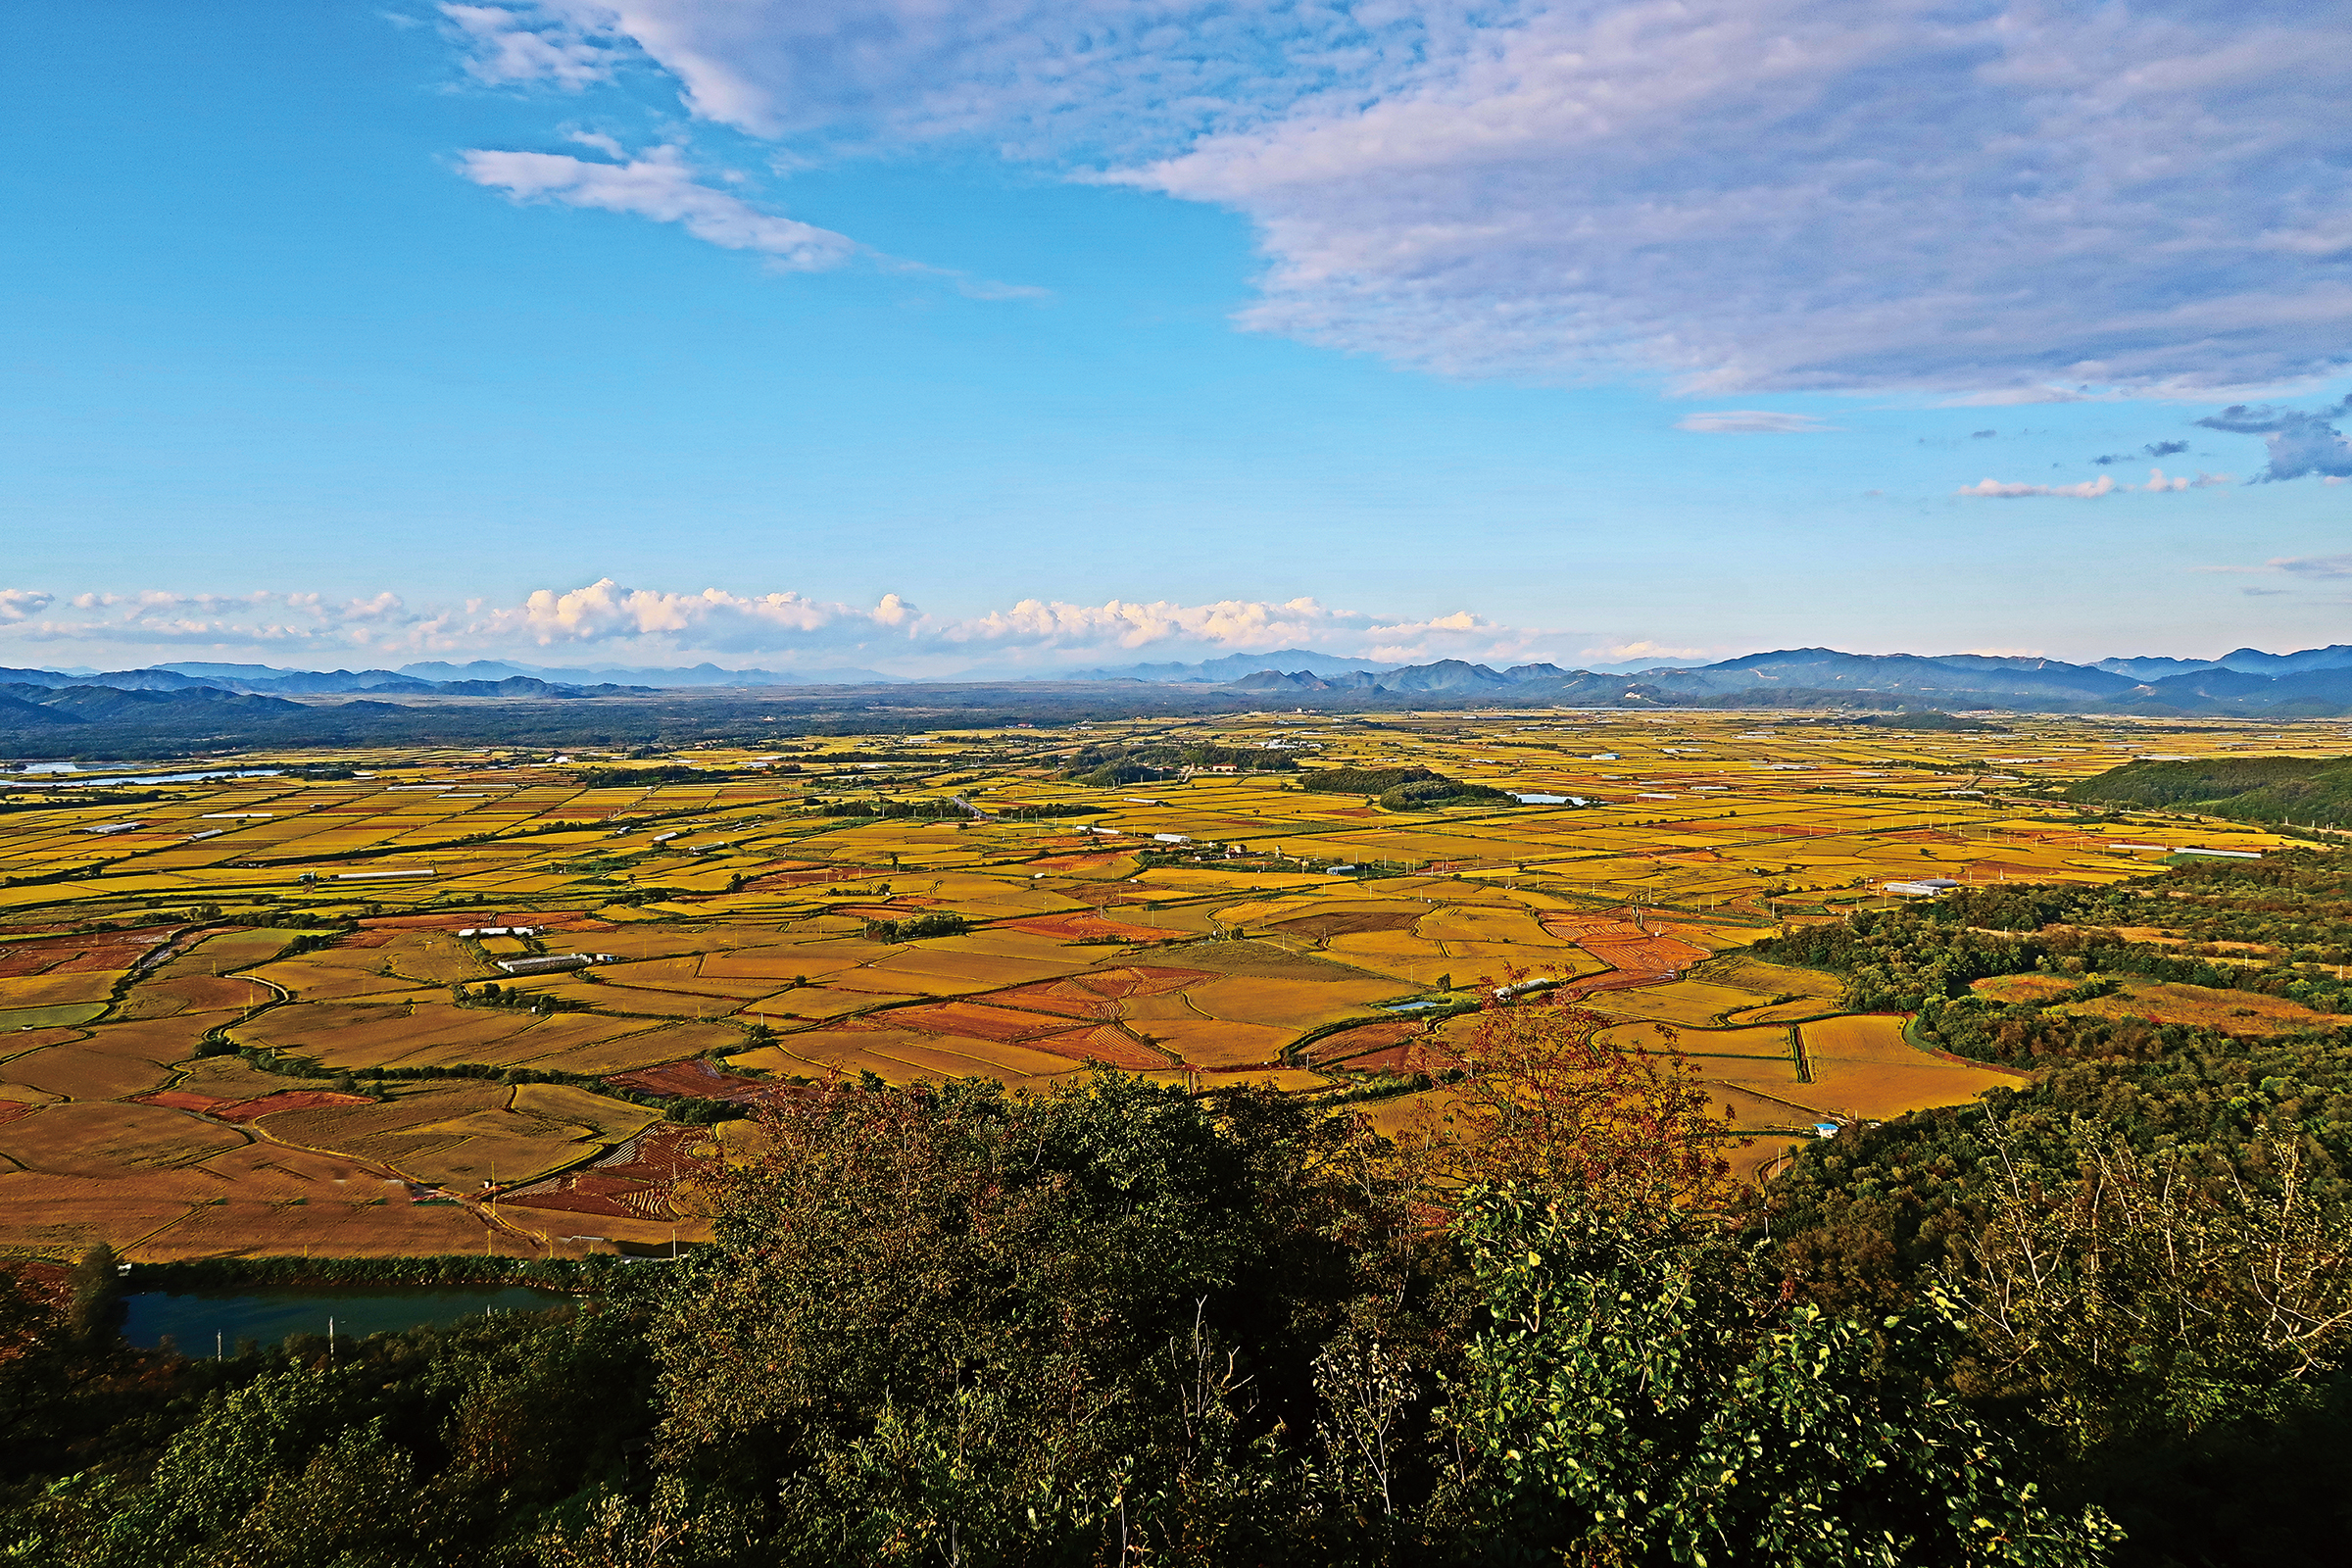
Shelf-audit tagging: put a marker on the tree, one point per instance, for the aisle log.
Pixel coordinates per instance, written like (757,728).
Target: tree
(1545,1101)
(996,1327)
(2138,1296)
(91,1290)
(1639,1394)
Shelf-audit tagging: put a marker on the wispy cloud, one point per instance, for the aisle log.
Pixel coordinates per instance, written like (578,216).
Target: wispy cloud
(2311,566)
(1753,421)
(2007,203)
(658,186)
(2154,449)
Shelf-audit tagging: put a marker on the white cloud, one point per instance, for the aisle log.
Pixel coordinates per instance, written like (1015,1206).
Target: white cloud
(650,623)
(2016,201)
(1751,421)
(658,186)
(503,46)
(17,603)
(2103,485)
(1630,653)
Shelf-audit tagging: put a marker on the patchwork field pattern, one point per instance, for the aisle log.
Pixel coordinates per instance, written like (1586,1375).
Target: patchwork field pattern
(254,1020)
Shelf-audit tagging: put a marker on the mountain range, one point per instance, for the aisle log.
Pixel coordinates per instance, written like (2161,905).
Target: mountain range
(2314,683)
(137,711)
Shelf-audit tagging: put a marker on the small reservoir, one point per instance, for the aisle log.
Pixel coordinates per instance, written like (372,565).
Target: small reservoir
(198,1321)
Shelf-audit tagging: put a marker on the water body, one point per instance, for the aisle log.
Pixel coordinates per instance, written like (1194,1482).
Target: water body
(197,1321)
(101,779)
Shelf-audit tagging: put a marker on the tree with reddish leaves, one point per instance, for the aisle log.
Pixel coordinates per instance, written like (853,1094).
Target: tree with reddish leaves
(1545,1101)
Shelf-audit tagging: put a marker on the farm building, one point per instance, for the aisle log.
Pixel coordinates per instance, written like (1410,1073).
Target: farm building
(554,962)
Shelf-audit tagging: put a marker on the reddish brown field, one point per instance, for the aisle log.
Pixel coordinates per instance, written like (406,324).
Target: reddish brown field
(71,955)
(1082,929)
(697,1077)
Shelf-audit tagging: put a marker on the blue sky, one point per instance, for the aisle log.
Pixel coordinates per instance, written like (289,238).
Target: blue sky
(1004,336)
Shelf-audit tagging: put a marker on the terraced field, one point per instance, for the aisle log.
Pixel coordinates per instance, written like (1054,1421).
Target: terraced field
(249,1016)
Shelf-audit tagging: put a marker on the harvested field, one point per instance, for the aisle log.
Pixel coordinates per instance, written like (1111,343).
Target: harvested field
(637,1180)
(1287,1004)
(286,1099)
(1715,840)
(92,1069)
(1691,1041)
(697,1077)
(1862,1068)
(2238,1013)
(70,953)
(1217,1044)
(58,989)
(1683,1001)
(95,1139)
(192,992)
(1324,924)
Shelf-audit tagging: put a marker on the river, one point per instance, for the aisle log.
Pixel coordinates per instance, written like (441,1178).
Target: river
(198,1322)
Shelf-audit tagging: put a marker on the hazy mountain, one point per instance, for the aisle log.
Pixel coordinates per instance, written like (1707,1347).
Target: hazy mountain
(705,674)
(1230,667)
(2245,660)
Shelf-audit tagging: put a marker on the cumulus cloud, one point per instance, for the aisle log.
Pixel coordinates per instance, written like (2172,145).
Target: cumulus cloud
(2301,441)
(650,623)
(2090,490)
(1753,421)
(18,604)
(2159,483)
(658,186)
(1640,651)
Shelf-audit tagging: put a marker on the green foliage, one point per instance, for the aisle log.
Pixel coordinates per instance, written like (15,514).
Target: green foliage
(444,1448)
(1110,764)
(2249,789)
(2142,1294)
(916,927)
(1921,957)
(1018,1329)
(1434,794)
(1639,1397)
(1367,780)
(91,1290)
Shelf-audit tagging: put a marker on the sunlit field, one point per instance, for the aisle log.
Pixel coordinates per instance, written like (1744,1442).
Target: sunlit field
(241,1014)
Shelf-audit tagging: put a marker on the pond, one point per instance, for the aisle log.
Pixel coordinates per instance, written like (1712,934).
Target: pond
(201,1322)
(110,778)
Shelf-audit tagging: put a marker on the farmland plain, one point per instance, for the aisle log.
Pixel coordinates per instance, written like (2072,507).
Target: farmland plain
(245,1015)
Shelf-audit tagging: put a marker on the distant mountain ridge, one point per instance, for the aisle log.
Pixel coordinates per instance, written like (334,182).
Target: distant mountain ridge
(702,674)
(1232,666)
(2315,683)
(308,683)
(221,702)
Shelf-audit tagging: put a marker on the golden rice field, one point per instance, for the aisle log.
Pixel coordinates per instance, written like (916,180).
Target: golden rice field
(190,1007)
